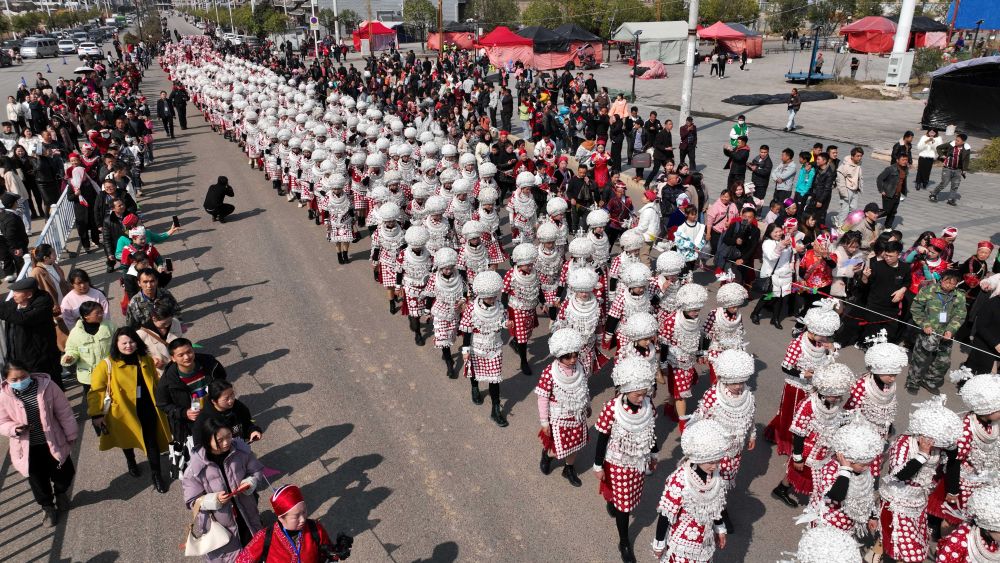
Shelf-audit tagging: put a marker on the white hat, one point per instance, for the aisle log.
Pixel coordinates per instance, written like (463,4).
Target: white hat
(375,160)
(691,297)
(436,205)
(487,284)
(556,206)
(472,229)
(598,218)
(404,149)
(731,295)
(416,236)
(640,325)
(449,150)
(392,177)
(933,420)
(487,170)
(427,165)
(426,137)
(410,133)
(445,256)
(461,186)
(981,394)
(524,253)
(669,263)
(580,247)
(429,148)
(448,176)
(704,441)
(547,232)
(826,544)
(858,442)
(833,380)
(389,211)
(466,159)
(525,179)
(733,366)
(420,190)
(139,231)
(488,195)
(631,240)
(582,280)
(358,159)
(636,274)
(822,319)
(984,507)
(565,341)
(632,374)
(886,358)
(382,143)
(338,181)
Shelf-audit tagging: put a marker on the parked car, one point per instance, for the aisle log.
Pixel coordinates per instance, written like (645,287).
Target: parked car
(5,58)
(11,45)
(67,46)
(39,47)
(89,49)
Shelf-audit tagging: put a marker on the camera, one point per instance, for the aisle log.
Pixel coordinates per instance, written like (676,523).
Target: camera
(339,551)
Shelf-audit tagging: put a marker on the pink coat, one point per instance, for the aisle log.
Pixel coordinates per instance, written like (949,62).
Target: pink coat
(57,417)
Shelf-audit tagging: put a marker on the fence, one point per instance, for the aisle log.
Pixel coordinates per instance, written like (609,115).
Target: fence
(56,232)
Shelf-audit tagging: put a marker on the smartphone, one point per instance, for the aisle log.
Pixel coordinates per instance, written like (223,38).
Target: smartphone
(242,488)
(177,221)
(170,264)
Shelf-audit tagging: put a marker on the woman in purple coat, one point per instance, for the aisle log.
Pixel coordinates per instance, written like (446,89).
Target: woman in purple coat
(221,479)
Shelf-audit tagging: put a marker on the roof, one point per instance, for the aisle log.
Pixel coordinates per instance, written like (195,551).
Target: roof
(746,31)
(502,36)
(652,31)
(971,11)
(573,32)
(459,27)
(870,23)
(921,24)
(719,30)
(373,28)
(966,64)
(540,35)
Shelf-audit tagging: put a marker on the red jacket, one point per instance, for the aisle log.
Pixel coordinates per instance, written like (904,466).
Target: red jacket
(281,550)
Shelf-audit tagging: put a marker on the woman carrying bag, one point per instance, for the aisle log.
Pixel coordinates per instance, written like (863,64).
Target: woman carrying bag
(218,486)
(52,280)
(88,343)
(121,408)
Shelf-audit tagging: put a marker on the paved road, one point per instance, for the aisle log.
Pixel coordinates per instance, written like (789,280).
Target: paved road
(384,445)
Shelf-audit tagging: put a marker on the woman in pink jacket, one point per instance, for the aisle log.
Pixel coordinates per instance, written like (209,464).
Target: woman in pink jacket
(38,419)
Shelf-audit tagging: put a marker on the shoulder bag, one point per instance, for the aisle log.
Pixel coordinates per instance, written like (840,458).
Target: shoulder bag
(106,406)
(215,537)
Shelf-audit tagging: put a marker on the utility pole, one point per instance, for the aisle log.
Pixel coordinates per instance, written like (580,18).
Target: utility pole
(232,27)
(315,31)
(371,48)
(692,45)
(336,24)
(440,30)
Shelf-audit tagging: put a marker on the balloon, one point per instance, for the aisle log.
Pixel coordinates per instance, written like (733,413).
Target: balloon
(852,219)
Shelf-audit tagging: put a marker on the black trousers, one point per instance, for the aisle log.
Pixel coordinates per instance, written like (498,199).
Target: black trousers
(46,477)
(688,153)
(505,118)
(86,225)
(182,117)
(924,165)
(168,126)
(657,164)
(616,155)
(221,212)
(148,422)
(889,207)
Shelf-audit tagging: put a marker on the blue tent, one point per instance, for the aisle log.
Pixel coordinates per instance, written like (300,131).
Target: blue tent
(971,11)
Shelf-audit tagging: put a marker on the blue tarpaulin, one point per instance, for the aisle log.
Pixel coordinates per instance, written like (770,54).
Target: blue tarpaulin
(971,11)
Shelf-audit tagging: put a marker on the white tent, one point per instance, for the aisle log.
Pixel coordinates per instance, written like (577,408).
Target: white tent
(662,41)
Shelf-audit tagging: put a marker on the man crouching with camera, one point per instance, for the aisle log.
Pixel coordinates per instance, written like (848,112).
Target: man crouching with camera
(294,538)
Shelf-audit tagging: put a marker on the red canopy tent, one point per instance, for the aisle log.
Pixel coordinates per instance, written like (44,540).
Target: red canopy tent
(379,36)
(504,47)
(871,34)
(460,39)
(733,40)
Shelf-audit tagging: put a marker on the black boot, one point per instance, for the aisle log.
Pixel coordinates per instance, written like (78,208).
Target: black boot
(347,257)
(449,361)
(522,352)
(133,467)
(755,315)
(728,522)
(569,472)
(50,516)
(553,313)
(778,312)
(418,336)
(392,306)
(546,462)
(158,484)
(340,257)
(628,556)
(477,395)
(312,214)
(497,415)
(781,492)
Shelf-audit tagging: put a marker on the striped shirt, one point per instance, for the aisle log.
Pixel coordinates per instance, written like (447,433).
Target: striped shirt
(29,397)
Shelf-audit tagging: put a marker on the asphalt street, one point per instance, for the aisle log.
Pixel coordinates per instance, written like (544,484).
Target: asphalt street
(385,447)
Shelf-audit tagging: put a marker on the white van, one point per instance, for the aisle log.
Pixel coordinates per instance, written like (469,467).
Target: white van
(39,47)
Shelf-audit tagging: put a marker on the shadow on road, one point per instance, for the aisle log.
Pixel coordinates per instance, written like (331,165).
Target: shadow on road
(446,552)
(292,457)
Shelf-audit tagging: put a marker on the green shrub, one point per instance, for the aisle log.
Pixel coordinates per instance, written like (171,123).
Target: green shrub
(988,159)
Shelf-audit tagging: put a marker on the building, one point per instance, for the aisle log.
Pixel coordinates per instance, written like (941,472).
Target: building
(384,10)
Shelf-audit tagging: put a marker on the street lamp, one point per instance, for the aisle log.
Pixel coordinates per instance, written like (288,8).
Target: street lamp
(635,60)
(976,37)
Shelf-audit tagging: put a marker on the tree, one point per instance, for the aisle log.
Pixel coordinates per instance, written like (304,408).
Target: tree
(419,14)
(327,18)
(542,12)
(830,13)
(260,22)
(27,22)
(349,19)
(788,15)
(868,8)
(491,13)
(741,11)
(612,13)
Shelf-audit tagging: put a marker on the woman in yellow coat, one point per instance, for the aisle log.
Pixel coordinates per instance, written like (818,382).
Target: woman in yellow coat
(133,420)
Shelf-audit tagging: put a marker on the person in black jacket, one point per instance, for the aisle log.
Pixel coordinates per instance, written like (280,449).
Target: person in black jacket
(116,224)
(632,122)
(165,113)
(822,188)
(760,172)
(215,200)
(30,334)
(743,237)
(903,146)
(182,391)
(222,404)
(506,109)
(13,237)
(737,164)
(179,98)
(110,192)
(663,150)
(891,184)
(985,335)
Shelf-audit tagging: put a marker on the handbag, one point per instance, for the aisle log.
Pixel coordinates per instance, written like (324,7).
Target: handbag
(642,160)
(106,406)
(215,537)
